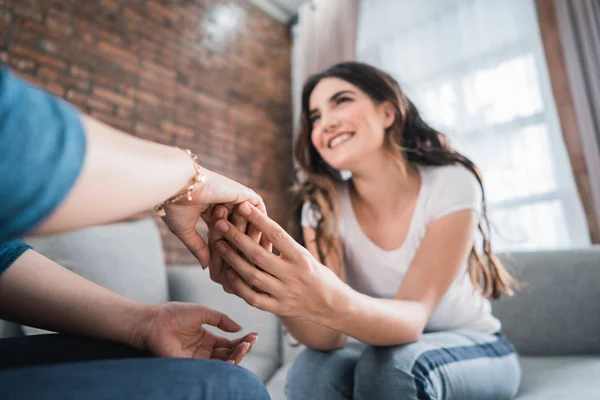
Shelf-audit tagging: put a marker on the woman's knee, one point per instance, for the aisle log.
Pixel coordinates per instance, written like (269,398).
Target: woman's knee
(317,374)
(388,372)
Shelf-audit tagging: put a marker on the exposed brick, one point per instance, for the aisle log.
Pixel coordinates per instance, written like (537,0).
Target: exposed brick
(59,26)
(158,70)
(111,4)
(39,57)
(22,64)
(113,97)
(118,123)
(177,130)
(117,52)
(41,30)
(162,14)
(27,11)
(147,98)
(162,71)
(55,88)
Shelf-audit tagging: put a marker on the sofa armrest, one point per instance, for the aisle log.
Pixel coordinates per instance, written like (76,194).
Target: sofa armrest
(556,313)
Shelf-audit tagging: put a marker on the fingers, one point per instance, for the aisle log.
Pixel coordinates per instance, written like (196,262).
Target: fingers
(261,301)
(265,244)
(224,342)
(253,251)
(221,321)
(239,353)
(197,246)
(251,274)
(233,355)
(239,222)
(216,261)
(274,233)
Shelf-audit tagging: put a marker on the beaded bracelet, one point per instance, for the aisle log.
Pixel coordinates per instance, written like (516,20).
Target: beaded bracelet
(197,180)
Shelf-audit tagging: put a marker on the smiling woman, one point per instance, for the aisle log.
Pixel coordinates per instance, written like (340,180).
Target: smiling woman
(390,284)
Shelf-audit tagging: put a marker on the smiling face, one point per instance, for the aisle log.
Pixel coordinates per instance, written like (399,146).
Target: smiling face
(347,125)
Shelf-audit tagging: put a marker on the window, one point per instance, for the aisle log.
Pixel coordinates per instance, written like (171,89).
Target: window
(476,70)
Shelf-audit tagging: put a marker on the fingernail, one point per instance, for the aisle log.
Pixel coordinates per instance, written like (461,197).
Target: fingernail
(230,276)
(222,226)
(221,248)
(220,213)
(245,209)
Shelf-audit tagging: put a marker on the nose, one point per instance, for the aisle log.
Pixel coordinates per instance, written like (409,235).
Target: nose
(330,122)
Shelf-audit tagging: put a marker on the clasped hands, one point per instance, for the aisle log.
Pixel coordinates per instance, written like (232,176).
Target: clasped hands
(291,284)
(239,256)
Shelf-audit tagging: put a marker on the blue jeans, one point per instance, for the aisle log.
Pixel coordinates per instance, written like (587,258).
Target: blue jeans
(63,367)
(450,365)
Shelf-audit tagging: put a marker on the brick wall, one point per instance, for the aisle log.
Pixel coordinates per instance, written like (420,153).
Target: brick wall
(209,75)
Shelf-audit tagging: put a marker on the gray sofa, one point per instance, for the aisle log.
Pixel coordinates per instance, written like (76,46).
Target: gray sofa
(554,321)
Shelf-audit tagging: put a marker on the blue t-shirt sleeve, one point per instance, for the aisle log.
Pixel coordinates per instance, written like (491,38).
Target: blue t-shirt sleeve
(42,146)
(10,251)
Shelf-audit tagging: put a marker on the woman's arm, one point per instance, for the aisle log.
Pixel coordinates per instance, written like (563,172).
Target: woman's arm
(299,286)
(308,333)
(442,253)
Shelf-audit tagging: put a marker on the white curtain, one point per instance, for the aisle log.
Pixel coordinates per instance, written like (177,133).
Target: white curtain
(476,70)
(324,35)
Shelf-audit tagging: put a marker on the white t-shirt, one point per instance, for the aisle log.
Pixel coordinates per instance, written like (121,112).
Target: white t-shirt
(378,273)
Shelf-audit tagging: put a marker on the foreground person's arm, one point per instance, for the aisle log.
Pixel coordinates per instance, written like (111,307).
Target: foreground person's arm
(38,292)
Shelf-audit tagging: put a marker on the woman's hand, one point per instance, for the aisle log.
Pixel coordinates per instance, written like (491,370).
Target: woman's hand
(293,284)
(218,268)
(176,330)
(182,217)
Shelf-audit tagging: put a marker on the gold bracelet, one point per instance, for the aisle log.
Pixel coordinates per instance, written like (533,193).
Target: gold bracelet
(197,180)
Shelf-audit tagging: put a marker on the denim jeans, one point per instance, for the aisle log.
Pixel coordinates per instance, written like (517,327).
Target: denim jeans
(450,365)
(63,367)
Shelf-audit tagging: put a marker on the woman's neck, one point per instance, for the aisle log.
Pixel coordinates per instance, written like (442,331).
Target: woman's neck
(381,186)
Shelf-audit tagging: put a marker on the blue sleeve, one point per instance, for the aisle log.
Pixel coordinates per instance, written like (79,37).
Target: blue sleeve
(10,251)
(42,149)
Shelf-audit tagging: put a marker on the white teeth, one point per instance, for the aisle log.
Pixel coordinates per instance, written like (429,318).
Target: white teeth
(340,139)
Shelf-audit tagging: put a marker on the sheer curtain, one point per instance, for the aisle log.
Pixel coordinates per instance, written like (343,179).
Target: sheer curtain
(476,70)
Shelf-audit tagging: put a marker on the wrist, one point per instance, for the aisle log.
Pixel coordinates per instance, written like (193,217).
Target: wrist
(340,307)
(195,183)
(138,322)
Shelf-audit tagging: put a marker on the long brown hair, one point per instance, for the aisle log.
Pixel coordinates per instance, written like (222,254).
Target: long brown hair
(410,140)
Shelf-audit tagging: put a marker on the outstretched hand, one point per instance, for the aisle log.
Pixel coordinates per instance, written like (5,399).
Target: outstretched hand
(176,330)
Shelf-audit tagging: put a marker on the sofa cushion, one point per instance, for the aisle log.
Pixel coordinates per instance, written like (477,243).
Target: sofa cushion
(559,378)
(556,313)
(124,257)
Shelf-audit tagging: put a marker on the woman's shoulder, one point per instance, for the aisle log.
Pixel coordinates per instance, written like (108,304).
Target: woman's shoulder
(450,187)
(450,177)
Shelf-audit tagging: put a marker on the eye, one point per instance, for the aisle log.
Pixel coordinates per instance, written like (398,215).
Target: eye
(343,100)
(314,118)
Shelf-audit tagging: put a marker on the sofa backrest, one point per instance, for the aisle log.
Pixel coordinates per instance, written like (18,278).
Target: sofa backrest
(189,283)
(558,311)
